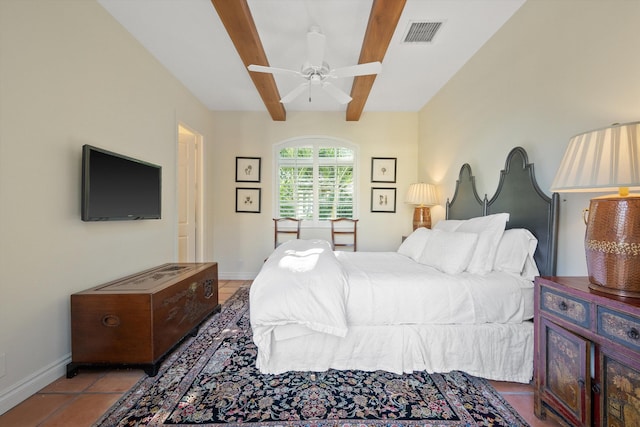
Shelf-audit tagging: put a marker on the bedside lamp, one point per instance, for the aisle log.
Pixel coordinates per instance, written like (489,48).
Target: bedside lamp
(423,195)
(606,160)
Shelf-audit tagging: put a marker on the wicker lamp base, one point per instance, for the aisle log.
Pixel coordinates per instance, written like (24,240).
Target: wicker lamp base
(612,245)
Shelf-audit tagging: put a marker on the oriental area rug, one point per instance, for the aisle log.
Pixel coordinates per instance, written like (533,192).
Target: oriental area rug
(211,380)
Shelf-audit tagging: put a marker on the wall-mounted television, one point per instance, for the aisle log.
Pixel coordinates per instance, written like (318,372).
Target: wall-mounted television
(117,187)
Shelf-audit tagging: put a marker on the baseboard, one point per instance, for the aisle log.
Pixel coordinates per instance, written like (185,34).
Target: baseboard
(35,382)
(238,275)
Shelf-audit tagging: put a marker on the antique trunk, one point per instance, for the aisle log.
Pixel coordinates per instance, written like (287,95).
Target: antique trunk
(138,319)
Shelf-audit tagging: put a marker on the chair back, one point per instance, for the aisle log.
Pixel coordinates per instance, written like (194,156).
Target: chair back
(285,229)
(344,233)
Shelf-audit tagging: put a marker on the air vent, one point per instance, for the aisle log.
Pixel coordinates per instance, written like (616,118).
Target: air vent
(421,32)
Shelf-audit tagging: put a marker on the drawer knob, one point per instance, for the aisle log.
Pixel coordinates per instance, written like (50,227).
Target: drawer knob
(563,306)
(633,334)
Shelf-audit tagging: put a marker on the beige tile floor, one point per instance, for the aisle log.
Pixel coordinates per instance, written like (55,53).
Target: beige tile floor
(80,401)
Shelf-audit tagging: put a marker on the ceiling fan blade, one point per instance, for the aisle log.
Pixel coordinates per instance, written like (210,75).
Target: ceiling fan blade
(272,70)
(294,93)
(338,94)
(315,47)
(357,70)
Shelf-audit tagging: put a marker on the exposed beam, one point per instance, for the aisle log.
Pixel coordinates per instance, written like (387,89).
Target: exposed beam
(382,24)
(237,19)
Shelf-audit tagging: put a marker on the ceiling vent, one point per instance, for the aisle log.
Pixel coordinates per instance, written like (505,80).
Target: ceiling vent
(421,32)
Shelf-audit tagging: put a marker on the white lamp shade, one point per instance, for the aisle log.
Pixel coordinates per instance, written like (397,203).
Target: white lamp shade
(601,160)
(422,194)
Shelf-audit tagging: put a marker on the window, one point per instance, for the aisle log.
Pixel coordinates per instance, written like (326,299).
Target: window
(315,179)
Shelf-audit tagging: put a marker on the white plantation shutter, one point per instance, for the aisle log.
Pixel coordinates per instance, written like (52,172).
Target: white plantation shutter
(315,181)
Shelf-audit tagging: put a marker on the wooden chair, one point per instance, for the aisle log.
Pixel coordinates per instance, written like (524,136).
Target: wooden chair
(285,227)
(344,233)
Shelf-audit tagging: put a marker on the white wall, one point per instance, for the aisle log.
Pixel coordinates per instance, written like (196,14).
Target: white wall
(555,69)
(71,75)
(244,240)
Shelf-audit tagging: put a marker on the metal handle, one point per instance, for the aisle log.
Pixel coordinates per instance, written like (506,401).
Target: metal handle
(585,215)
(563,306)
(581,382)
(633,334)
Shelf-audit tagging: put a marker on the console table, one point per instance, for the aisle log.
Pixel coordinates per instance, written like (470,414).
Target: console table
(137,320)
(587,354)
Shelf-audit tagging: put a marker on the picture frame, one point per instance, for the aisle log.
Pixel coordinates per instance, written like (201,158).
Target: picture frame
(248,200)
(248,169)
(383,169)
(383,199)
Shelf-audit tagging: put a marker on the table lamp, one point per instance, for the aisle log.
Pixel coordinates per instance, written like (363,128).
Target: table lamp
(605,160)
(423,195)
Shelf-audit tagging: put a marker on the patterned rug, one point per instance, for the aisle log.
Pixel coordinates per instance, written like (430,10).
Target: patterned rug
(211,380)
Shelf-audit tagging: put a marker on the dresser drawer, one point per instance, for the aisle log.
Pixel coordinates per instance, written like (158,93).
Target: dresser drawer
(566,307)
(619,327)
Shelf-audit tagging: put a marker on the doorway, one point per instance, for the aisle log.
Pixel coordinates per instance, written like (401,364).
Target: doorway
(190,210)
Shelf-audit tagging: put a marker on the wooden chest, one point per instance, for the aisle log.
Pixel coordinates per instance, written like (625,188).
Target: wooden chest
(138,319)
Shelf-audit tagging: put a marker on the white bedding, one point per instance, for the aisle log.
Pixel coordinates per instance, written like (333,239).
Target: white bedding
(502,352)
(301,284)
(386,288)
(313,309)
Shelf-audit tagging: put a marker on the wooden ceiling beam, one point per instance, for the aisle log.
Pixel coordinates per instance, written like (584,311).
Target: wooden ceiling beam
(236,18)
(383,20)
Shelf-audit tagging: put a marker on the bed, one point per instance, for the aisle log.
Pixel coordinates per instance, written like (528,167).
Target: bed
(458,297)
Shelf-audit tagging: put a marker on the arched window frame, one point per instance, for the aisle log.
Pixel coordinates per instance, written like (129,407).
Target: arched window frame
(315,143)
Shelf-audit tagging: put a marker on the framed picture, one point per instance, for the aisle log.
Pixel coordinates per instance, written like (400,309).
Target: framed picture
(248,200)
(383,200)
(383,169)
(248,169)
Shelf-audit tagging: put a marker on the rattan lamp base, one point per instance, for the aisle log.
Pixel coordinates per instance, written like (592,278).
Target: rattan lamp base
(612,245)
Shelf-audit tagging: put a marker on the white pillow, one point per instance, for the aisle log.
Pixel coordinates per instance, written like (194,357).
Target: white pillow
(449,252)
(530,270)
(514,248)
(448,224)
(489,229)
(414,243)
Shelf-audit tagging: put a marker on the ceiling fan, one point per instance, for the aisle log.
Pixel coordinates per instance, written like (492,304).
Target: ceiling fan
(316,72)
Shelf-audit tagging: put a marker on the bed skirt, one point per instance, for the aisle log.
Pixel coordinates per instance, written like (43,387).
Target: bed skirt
(502,352)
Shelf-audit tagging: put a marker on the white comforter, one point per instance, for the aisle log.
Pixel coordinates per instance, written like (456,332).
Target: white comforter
(303,285)
(305,288)
(386,288)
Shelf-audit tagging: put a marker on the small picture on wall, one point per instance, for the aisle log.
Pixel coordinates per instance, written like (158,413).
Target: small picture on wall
(248,169)
(383,200)
(383,169)
(248,200)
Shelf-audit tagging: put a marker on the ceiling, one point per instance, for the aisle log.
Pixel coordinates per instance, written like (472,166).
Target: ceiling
(191,41)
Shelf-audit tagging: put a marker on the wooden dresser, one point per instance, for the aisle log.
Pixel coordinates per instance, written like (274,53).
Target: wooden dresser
(137,320)
(587,354)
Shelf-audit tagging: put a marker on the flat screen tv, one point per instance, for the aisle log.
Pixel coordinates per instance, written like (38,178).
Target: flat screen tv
(117,187)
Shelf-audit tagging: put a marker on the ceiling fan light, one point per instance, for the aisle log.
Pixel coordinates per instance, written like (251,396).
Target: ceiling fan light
(315,79)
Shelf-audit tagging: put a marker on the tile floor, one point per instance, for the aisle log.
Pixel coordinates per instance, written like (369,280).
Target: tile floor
(80,401)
